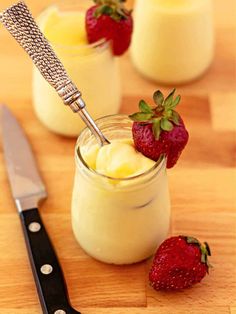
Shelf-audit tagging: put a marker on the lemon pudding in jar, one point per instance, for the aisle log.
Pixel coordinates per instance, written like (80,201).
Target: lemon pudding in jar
(92,67)
(120,203)
(173,40)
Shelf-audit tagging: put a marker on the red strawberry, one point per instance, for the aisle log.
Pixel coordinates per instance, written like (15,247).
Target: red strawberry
(160,130)
(110,19)
(180,262)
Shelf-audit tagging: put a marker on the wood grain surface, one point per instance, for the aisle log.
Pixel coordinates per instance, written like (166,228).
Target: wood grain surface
(202,188)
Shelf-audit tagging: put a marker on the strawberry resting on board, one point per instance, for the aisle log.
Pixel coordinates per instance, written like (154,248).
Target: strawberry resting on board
(180,262)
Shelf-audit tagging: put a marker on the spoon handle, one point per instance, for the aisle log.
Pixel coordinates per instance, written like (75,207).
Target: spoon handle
(22,26)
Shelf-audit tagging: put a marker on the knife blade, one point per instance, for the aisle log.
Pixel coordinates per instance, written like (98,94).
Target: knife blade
(26,184)
(27,190)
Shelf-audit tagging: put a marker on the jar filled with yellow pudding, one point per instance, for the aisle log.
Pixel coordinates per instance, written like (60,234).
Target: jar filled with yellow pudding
(173,40)
(92,67)
(120,203)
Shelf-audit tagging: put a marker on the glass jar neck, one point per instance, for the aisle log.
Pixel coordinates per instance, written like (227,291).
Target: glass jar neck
(114,127)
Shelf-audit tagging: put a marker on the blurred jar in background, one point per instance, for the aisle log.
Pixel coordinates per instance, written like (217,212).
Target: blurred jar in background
(173,40)
(92,67)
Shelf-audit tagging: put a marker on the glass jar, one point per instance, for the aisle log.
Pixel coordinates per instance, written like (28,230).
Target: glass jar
(92,67)
(119,221)
(173,40)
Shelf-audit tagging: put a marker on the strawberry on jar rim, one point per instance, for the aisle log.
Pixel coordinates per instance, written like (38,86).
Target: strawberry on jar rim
(180,262)
(110,19)
(160,130)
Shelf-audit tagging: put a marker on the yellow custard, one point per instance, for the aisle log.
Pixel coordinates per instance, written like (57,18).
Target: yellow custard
(118,160)
(92,68)
(58,28)
(173,40)
(120,203)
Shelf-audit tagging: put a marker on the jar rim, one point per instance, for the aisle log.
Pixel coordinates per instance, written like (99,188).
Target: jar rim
(100,44)
(159,164)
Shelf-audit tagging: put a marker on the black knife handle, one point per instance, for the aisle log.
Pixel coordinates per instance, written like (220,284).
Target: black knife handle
(46,269)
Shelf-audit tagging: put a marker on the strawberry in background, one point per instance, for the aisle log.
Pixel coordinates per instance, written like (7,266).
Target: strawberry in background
(110,19)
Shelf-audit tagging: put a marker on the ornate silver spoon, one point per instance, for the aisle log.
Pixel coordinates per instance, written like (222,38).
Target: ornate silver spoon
(22,26)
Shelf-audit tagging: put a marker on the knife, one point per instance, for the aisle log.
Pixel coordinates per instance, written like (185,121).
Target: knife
(28,189)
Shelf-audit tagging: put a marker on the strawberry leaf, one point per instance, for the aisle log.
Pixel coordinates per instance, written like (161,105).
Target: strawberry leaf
(123,12)
(203,258)
(156,128)
(103,9)
(175,102)
(166,125)
(207,248)
(169,99)
(158,97)
(113,8)
(144,107)
(192,240)
(140,116)
(168,113)
(175,117)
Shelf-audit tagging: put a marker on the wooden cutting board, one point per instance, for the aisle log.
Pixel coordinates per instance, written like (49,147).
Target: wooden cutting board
(202,188)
